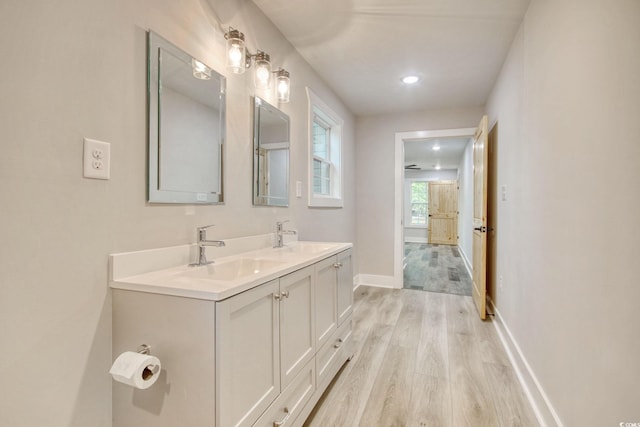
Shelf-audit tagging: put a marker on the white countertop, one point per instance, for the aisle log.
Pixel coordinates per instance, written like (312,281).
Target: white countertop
(200,282)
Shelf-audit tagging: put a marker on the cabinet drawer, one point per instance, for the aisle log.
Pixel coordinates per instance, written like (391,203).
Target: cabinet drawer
(331,357)
(286,408)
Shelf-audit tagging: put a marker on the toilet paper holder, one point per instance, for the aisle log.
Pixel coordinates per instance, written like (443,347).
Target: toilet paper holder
(146,349)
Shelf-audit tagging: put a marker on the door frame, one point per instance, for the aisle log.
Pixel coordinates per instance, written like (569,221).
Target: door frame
(398,220)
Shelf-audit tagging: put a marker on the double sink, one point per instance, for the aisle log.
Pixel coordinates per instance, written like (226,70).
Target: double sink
(234,268)
(229,275)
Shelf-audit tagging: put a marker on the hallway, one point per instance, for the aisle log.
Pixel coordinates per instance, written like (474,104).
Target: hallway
(422,359)
(435,268)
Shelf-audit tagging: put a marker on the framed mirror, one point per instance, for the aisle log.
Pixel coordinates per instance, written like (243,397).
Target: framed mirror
(270,155)
(186,119)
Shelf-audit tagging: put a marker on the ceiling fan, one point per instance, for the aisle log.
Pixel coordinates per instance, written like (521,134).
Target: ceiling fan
(413,167)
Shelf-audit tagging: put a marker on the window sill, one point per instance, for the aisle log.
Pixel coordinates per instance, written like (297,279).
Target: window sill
(325,202)
(420,227)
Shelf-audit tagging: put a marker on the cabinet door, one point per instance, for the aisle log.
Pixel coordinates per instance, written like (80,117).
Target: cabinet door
(326,306)
(247,355)
(345,285)
(297,328)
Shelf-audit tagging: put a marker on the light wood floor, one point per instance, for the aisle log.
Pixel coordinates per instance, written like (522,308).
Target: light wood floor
(422,359)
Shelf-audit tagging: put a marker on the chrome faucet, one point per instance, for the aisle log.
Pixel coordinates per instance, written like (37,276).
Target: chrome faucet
(280,231)
(202,243)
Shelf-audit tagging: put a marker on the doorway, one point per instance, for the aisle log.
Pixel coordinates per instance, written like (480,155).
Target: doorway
(421,262)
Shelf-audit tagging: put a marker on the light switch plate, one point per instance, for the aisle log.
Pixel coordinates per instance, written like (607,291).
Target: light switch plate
(96,159)
(298,188)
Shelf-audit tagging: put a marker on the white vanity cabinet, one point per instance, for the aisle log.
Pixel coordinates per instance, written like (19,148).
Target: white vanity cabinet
(264,338)
(260,356)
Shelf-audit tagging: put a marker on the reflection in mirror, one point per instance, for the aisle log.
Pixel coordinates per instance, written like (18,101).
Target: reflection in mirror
(186,126)
(271,155)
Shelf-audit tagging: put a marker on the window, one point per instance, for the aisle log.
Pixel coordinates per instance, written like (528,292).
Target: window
(419,203)
(325,152)
(321,157)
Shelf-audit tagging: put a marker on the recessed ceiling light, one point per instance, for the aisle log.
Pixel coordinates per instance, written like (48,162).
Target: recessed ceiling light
(437,167)
(409,80)
(435,147)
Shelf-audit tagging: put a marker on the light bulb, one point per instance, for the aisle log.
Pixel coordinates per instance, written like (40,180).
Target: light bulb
(262,76)
(409,80)
(235,56)
(283,85)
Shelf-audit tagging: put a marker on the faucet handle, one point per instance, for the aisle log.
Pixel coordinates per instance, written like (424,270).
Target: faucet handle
(279,224)
(202,232)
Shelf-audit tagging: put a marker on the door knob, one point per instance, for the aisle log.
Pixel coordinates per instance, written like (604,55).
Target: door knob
(482,229)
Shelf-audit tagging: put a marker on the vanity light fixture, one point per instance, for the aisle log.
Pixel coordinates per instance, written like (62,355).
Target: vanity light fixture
(262,74)
(200,71)
(239,59)
(283,85)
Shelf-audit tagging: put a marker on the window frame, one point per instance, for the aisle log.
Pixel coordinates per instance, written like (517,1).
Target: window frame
(409,203)
(325,116)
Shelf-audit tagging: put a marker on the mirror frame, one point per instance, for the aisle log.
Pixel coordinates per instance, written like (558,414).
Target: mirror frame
(258,105)
(154,193)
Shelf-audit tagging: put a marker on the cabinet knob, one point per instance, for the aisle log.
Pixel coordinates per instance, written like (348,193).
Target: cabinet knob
(337,265)
(338,344)
(284,420)
(280,296)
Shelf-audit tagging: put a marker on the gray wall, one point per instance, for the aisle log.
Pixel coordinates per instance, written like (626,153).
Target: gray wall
(375,152)
(78,69)
(566,106)
(465,203)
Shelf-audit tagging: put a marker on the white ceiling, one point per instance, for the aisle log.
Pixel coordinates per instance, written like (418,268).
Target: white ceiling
(362,48)
(421,153)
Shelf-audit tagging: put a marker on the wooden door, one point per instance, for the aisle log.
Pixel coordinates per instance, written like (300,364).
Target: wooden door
(297,327)
(443,212)
(247,355)
(480,175)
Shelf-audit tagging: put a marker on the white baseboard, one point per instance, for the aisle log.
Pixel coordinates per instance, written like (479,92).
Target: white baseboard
(415,240)
(466,261)
(544,411)
(375,280)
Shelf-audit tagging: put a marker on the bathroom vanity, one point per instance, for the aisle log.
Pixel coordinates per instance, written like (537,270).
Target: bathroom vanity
(251,340)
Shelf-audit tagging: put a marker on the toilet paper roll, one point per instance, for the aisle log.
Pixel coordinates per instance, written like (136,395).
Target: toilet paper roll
(136,369)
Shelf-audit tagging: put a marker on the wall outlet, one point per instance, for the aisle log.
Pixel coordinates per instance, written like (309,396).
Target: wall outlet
(503,192)
(96,159)
(500,282)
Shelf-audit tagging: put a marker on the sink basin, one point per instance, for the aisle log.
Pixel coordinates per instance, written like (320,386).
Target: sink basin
(305,247)
(234,270)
